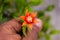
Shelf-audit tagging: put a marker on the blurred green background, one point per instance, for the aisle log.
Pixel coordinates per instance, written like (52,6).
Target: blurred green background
(10,9)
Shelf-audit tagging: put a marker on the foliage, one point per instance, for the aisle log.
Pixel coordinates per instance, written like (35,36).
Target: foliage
(50,8)
(14,8)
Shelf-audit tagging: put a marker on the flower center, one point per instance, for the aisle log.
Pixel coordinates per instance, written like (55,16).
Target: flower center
(29,19)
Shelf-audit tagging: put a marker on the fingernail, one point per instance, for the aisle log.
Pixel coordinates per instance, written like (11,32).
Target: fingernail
(39,23)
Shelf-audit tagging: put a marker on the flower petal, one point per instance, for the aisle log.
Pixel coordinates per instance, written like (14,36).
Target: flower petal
(24,23)
(34,14)
(27,13)
(35,20)
(23,17)
(30,26)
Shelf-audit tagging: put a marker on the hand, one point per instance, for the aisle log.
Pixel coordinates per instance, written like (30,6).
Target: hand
(9,31)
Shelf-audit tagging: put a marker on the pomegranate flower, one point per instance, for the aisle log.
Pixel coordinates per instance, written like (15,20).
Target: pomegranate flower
(29,19)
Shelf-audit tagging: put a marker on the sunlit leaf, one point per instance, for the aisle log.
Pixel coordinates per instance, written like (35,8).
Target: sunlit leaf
(30,9)
(53,32)
(35,2)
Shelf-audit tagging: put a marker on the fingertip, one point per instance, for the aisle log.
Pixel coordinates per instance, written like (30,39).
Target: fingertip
(39,23)
(38,26)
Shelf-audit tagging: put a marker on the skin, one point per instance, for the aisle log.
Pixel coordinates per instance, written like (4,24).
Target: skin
(8,31)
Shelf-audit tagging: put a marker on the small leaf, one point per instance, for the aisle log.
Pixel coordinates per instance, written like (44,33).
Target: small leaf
(0,16)
(45,27)
(28,28)
(41,34)
(47,18)
(54,32)
(47,37)
(30,9)
(35,2)
(24,31)
(50,8)
(40,14)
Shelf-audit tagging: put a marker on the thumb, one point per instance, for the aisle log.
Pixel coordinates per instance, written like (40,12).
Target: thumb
(38,26)
(11,26)
(32,35)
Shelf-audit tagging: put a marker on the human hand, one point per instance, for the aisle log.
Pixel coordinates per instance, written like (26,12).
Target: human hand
(9,31)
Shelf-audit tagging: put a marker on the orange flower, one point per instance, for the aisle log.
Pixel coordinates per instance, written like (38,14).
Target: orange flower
(29,19)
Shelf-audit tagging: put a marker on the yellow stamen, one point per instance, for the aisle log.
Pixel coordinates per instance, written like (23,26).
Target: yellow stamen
(29,19)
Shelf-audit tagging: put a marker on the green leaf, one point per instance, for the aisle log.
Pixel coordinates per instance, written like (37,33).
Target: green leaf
(35,2)
(24,31)
(41,34)
(46,23)
(28,28)
(30,9)
(16,15)
(44,35)
(40,14)
(54,32)
(47,37)
(0,16)
(20,4)
(47,19)
(50,8)
(45,27)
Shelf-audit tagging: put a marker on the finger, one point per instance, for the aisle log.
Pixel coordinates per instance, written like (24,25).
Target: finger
(37,26)
(32,35)
(10,37)
(11,26)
